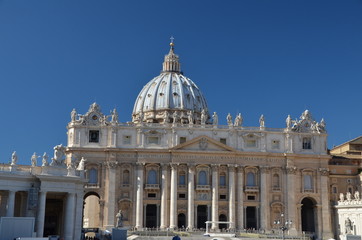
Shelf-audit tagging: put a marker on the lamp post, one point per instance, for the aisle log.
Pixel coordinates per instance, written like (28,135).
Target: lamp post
(283,225)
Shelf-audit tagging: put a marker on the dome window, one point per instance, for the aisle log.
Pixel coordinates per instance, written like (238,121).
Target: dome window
(174,83)
(161,94)
(149,95)
(175,94)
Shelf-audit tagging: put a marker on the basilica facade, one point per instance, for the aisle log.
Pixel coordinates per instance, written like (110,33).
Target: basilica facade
(174,166)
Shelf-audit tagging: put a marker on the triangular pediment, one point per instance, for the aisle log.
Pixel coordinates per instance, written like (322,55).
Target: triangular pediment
(203,143)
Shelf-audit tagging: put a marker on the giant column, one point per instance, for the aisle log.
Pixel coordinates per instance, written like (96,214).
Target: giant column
(41,214)
(232,196)
(326,216)
(11,204)
(164,196)
(139,197)
(173,197)
(69,217)
(215,197)
(240,198)
(110,195)
(289,195)
(78,215)
(264,198)
(190,202)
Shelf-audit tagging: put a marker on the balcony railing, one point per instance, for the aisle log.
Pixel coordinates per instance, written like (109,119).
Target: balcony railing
(202,187)
(92,185)
(252,189)
(152,186)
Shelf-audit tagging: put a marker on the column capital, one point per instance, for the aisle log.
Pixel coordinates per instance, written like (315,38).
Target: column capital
(215,167)
(174,166)
(291,170)
(164,166)
(111,164)
(264,169)
(232,167)
(191,167)
(324,171)
(240,168)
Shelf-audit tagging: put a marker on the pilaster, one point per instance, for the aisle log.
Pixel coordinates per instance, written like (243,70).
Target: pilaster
(215,197)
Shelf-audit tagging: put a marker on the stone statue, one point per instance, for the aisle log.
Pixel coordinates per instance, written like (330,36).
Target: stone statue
(203,117)
(114,118)
(238,120)
(356,195)
(190,116)
(14,158)
(229,119)
(45,160)
(341,197)
(288,121)
(175,117)
(34,159)
(348,226)
(81,164)
(262,121)
(73,115)
(215,119)
(119,217)
(167,116)
(348,196)
(59,151)
(140,116)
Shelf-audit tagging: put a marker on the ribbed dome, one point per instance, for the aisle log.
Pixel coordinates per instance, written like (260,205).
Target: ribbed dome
(168,94)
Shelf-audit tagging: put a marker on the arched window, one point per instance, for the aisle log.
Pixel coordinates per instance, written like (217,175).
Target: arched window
(308,182)
(202,178)
(93,176)
(276,180)
(125,177)
(250,179)
(222,181)
(182,178)
(152,178)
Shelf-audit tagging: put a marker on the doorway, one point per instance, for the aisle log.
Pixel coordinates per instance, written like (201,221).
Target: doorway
(151,216)
(251,220)
(201,216)
(308,215)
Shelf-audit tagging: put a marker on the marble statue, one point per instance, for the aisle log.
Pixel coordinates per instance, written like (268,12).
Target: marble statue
(81,164)
(59,151)
(203,116)
(73,115)
(114,118)
(167,116)
(262,121)
(229,119)
(175,117)
(348,196)
(14,158)
(288,121)
(238,120)
(356,195)
(190,116)
(119,217)
(34,159)
(348,226)
(45,160)
(215,119)
(341,197)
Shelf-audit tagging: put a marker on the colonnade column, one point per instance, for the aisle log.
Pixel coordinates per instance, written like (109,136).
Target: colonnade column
(326,215)
(173,197)
(240,198)
(164,181)
(69,217)
(110,195)
(290,193)
(11,204)
(232,196)
(41,214)
(139,196)
(215,196)
(78,215)
(264,198)
(190,202)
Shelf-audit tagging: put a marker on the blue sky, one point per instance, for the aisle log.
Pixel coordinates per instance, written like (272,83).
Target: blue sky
(255,57)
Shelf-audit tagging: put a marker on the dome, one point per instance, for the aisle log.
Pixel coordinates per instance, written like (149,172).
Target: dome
(169,95)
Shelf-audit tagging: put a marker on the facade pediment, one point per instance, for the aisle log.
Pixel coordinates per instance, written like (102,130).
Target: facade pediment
(203,143)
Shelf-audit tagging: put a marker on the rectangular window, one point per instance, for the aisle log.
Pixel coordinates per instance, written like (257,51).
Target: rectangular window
(126,139)
(275,144)
(151,195)
(93,136)
(223,140)
(182,139)
(307,143)
(182,196)
(334,189)
(251,197)
(222,197)
(251,143)
(153,140)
